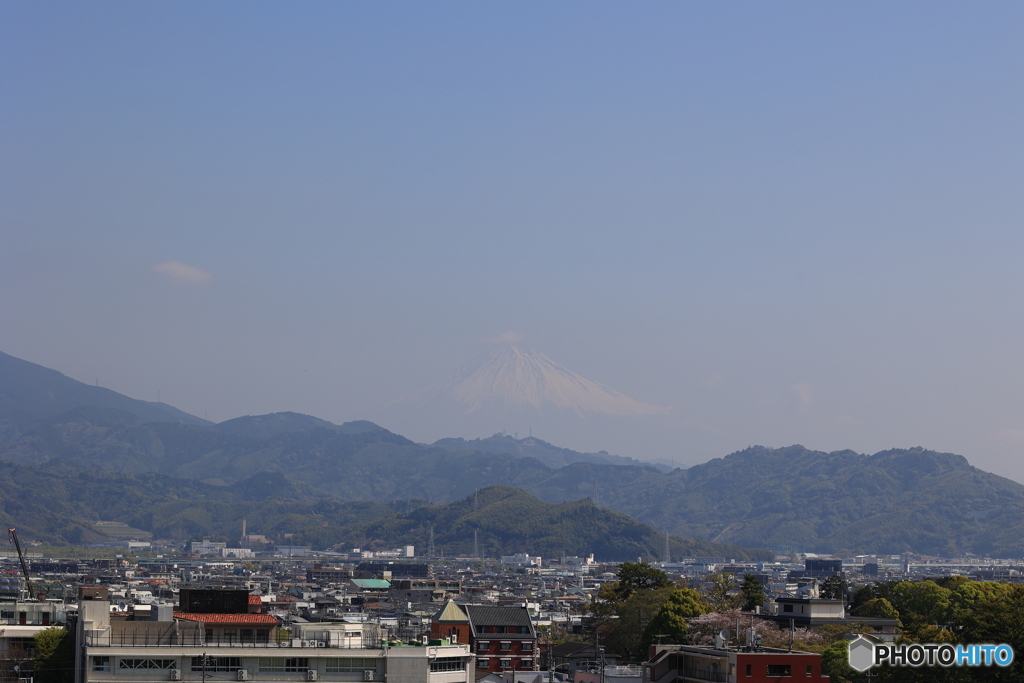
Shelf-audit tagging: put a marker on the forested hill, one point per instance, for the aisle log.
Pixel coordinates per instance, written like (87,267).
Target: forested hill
(63,505)
(893,501)
(788,498)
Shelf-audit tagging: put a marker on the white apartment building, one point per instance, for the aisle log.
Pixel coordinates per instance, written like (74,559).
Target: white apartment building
(197,647)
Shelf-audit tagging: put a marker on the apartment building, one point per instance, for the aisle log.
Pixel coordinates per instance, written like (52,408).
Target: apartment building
(183,646)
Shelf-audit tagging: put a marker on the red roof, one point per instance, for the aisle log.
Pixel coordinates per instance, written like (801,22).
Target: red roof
(255,600)
(227,618)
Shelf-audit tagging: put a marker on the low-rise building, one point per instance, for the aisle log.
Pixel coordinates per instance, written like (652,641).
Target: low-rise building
(696,664)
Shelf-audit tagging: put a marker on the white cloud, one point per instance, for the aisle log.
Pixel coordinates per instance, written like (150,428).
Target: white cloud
(182,272)
(510,337)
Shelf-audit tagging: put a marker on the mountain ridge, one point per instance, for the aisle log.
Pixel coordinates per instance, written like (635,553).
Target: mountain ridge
(896,500)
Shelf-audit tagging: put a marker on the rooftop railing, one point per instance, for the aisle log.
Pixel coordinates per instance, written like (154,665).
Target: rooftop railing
(197,639)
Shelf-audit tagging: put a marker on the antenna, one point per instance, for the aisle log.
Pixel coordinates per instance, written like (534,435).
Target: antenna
(476,547)
(430,550)
(668,551)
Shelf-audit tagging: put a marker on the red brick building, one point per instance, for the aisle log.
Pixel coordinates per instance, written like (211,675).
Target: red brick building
(501,638)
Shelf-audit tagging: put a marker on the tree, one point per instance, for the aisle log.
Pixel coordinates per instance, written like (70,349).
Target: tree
(920,604)
(55,656)
(835,662)
(625,634)
(878,608)
(833,588)
(639,576)
(670,621)
(752,593)
(718,592)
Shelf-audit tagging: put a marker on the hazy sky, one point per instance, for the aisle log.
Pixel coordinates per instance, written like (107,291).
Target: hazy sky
(793,223)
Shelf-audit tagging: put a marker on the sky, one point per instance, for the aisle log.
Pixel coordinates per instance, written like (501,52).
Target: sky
(789,222)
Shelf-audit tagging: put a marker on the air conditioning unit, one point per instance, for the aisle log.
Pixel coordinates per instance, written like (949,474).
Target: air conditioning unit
(175,674)
(243,675)
(311,675)
(309,643)
(321,643)
(368,674)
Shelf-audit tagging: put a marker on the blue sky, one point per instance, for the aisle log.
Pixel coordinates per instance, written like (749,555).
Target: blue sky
(796,223)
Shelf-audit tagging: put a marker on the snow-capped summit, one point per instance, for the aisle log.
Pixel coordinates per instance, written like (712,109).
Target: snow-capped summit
(512,377)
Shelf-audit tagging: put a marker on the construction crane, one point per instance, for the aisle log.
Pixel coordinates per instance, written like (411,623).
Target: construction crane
(21,556)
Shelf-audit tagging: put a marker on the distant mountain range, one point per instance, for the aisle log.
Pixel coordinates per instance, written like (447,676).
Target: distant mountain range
(192,477)
(531,447)
(29,392)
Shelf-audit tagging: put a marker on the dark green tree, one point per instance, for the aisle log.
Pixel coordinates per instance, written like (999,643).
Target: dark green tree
(55,656)
(640,576)
(625,634)
(833,588)
(752,593)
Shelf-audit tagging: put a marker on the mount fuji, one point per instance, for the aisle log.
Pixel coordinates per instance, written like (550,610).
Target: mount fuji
(515,378)
(516,390)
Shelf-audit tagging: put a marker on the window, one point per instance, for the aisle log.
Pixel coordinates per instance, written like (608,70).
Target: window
(447,664)
(526,663)
(483,645)
(750,670)
(787,608)
(101,663)
(481,663)
(810,670)
(284,665)
(160,664)
(349,665)
(506,646)
(779,670)
(5,614)
(221,665)
(246,635)
(527,645)
(506,664)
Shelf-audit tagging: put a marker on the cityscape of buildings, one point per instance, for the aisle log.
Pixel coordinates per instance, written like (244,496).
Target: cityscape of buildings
(284,613)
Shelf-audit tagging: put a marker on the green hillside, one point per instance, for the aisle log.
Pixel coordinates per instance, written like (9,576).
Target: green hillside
(794,498)
(63,505)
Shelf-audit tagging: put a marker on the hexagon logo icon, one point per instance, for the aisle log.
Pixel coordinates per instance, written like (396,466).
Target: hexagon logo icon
(862,654)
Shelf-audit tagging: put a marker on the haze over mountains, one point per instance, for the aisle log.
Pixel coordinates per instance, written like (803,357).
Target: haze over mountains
(191,477)
(519,391)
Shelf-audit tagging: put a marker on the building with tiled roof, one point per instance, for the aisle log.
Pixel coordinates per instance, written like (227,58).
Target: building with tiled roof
(503,638)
